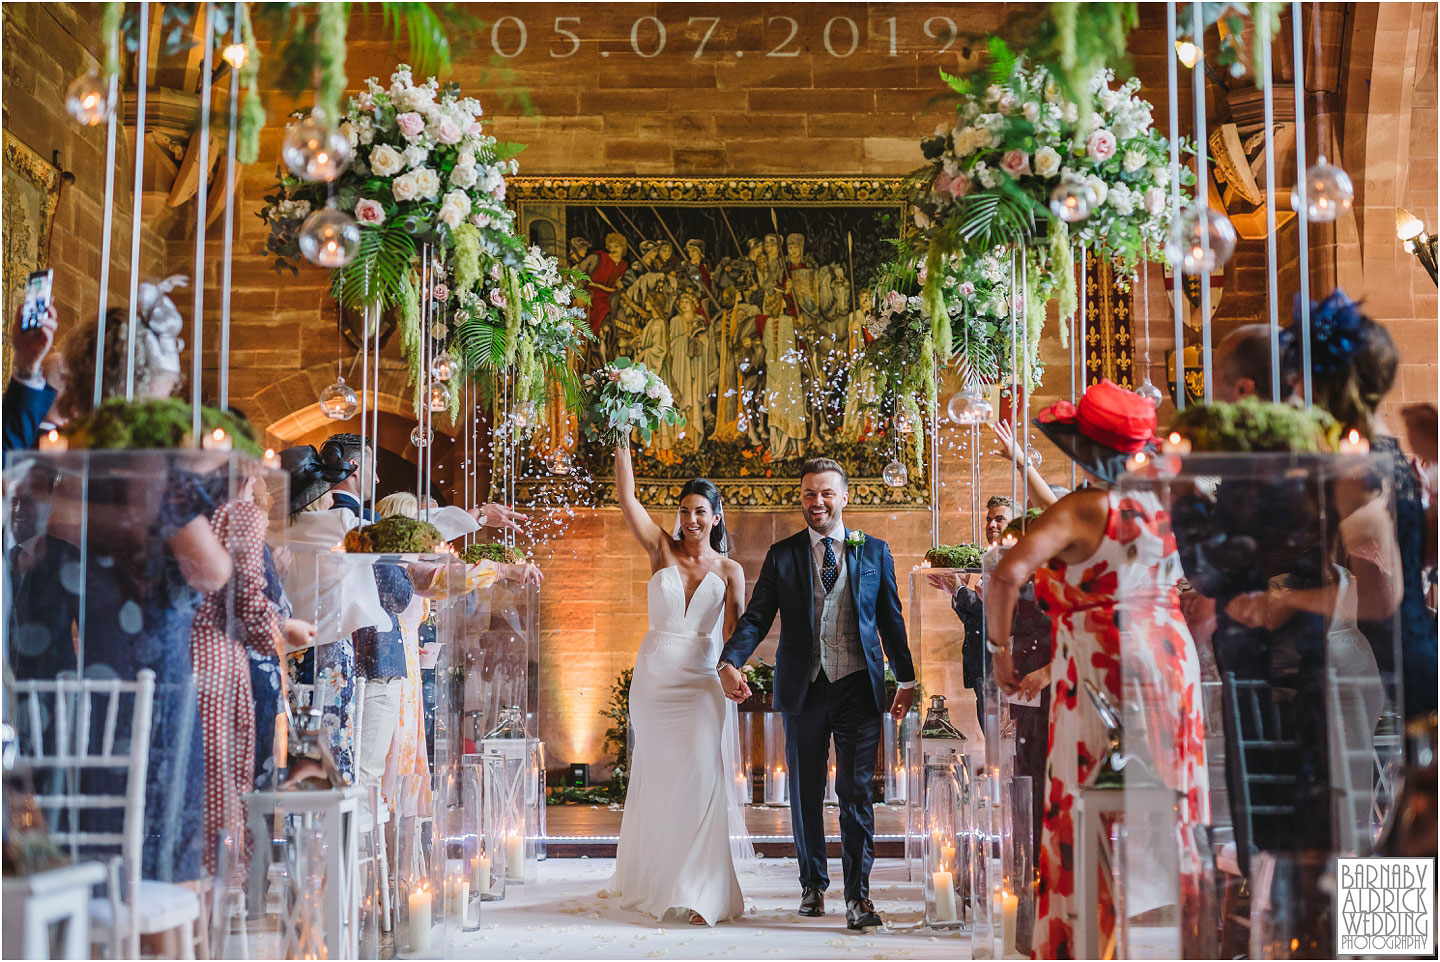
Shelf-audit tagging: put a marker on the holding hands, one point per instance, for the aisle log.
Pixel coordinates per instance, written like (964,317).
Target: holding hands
(733,683)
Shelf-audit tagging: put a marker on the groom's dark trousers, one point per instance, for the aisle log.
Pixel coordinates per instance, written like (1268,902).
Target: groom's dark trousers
(850,708)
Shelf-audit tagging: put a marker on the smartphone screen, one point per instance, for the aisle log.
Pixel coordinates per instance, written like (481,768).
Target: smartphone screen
(37,299)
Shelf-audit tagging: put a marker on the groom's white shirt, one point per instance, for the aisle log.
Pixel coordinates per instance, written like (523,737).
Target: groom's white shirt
(817,556)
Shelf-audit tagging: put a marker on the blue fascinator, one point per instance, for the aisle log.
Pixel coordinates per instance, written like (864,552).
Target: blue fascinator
(1337,331)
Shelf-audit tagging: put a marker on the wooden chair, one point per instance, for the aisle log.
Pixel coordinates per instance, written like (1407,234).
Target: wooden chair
(70,728)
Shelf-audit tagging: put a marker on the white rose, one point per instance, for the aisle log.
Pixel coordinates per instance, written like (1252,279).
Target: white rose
(416,155)
(1031,111)
(1047,161)
(654,390)
(1108,99)
(1122,200)
(1099,187)
(1154,200)
(1134,160)
(404,187)
(462,177)
(460,199)
(386,161)
(427,183)
(632,379)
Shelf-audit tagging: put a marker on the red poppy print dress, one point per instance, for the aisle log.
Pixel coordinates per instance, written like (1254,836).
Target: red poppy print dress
(1135,562)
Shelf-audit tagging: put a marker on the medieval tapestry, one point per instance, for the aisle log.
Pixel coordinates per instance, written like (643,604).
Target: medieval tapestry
(749,297)
(31,191)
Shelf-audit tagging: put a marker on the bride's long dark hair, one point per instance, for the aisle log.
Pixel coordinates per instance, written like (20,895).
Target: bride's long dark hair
(719,537)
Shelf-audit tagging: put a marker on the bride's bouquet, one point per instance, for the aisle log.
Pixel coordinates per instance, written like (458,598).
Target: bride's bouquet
(626,395)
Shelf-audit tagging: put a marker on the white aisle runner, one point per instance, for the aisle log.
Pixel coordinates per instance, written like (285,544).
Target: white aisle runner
(562,917)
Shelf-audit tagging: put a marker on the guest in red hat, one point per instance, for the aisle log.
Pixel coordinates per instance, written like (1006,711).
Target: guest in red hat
(1087,553)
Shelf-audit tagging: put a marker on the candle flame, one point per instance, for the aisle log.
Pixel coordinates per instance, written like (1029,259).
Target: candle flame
(218,434)
(1174,437)
(1354,436)
(235,55)
(53,436)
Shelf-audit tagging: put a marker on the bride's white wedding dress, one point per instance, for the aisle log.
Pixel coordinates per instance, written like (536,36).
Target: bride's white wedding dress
(675,851)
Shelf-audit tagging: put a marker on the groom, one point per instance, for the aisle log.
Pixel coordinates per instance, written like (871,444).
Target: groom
(839,607)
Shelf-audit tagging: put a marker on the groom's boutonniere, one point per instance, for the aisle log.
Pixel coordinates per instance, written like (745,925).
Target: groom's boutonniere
(855,539)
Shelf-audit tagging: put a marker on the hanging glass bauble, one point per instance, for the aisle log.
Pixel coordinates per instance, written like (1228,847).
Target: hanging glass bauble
(560,462)
(969,406)
(1328,192)
(904,421)
(315,150)
(329,237)
(1200,241)
(1150,393)
(1035,457)
(524,416)
(443,368)
(421,439)
(439,397)
(895,474)
(1072,200)
(339,401)
(88,100)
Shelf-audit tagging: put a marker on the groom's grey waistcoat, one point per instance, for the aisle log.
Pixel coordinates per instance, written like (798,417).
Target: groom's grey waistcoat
(837,631)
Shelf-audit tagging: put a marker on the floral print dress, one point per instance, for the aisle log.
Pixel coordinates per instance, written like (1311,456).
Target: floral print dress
(1136,563)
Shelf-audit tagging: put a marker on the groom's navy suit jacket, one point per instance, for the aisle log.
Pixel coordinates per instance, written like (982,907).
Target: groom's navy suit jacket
(786,586)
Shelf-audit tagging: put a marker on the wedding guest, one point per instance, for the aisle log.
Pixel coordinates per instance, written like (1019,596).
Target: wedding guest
(43,611)
(237,618)
(28,396)
(156,368)
(1081,552)
(349,493)
(1242,364)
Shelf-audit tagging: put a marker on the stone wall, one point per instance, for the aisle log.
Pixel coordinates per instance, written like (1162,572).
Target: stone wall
(616,106)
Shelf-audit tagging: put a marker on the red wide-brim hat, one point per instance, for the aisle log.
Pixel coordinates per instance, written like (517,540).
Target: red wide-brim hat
(1102,432)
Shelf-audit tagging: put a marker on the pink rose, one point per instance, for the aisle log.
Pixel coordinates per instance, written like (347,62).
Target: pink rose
(1016,162)
(448,132)
(369,212)
(1101,145)
(895,302)
(1007,102)
(474,130)
(440,292)
(411,124)
(497,297)
(955,187)
(614,375)
(499,192)
(966,288)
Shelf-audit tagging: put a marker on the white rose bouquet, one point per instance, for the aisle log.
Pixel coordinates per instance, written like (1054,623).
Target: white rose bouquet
(624,396)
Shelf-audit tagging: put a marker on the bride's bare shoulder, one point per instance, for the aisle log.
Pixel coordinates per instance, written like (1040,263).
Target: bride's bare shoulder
(731,569)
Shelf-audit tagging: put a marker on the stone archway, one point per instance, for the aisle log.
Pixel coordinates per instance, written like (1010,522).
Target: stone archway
(291,415)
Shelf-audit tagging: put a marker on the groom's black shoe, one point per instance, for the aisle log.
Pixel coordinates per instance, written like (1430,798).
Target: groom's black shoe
(812,902)
(861,914)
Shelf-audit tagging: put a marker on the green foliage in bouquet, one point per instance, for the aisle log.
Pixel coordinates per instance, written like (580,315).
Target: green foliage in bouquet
(118,424)
(1255,426)
(760,677)
(955,556)
(492,551)
(626,396)
(394,535)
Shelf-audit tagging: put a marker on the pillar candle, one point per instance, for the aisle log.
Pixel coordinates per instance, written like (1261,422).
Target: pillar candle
(782,786)
(1010,907)
(947,856)
(480,874)
(945,897)
(514,857)
(457,900)
(420,921)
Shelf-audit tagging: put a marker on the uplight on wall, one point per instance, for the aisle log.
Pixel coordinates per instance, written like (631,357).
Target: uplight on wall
(1415,239)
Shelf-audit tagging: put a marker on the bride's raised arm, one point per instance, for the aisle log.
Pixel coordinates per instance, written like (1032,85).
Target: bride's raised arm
(642,526)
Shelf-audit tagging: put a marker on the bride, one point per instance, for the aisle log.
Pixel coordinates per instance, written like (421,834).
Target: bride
(683,807)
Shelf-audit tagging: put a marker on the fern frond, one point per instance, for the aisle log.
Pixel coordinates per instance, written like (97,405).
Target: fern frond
(374,275)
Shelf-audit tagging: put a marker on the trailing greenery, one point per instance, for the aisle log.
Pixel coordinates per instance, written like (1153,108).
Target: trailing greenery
(394,535)
(330,25)
(1253,426)
(492,551)
(119,424)
(955,556)
(617,736)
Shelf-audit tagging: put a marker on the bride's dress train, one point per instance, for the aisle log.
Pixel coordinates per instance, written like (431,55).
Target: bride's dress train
(675,852)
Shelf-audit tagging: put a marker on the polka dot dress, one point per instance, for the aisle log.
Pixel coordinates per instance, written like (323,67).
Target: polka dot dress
(237,617)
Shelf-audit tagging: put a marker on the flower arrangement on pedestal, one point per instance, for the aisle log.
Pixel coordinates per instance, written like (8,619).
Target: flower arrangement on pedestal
(1020,174)
(424,176)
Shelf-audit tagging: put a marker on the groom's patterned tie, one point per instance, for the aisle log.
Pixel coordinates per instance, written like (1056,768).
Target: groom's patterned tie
(829,569)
